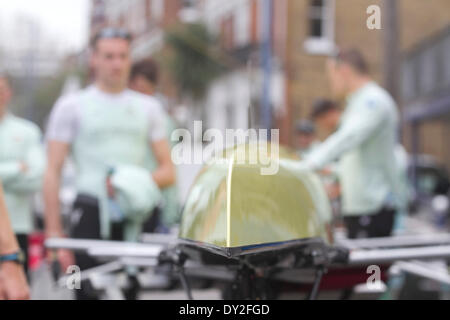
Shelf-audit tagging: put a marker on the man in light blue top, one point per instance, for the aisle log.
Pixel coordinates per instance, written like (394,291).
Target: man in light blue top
(22,165)
(365,144)
(105,128)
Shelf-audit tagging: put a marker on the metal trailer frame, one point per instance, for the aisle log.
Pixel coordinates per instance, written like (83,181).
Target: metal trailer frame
(403,251)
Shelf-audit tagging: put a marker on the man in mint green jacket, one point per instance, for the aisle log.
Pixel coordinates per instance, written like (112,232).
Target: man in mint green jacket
(365,143)
(22,165)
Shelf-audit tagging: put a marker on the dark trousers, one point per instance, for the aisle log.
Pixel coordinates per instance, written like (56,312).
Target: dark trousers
(22,239)
(85,224)
(377,225)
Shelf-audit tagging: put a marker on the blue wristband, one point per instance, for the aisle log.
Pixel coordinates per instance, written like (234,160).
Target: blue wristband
(14,257)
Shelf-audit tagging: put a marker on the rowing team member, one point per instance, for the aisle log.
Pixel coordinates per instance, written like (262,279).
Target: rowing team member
(371,172)
(113,134)
(22,164)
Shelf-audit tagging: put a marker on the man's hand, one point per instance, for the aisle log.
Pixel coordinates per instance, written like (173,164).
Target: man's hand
(13,283)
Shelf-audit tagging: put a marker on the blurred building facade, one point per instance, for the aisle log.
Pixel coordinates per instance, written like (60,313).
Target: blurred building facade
(426,96)
(145,19)
(317,27)
(34,53)
(234,101)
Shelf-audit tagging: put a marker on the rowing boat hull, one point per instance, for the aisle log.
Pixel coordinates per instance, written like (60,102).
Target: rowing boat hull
(233,205)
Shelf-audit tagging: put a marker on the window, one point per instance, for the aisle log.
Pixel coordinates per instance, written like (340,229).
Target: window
(188,3)
(157,9)
(320,39)
(138,17)
(242,25)
(316,19)
(409,81)
(428,72)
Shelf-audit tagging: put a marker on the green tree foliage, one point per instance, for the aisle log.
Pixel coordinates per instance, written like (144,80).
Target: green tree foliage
(193,61)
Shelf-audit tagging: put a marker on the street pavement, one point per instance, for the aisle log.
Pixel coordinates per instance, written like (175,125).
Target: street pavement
(44,288)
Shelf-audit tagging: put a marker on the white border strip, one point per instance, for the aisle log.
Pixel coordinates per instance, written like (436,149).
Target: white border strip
(229,180)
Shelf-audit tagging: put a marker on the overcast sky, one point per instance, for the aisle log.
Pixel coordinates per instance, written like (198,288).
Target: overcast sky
(62,21)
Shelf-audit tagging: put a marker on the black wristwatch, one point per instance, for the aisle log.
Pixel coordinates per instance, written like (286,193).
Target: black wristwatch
(16,257)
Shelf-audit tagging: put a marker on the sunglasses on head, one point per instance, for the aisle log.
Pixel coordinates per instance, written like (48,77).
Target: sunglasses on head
(112,33)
